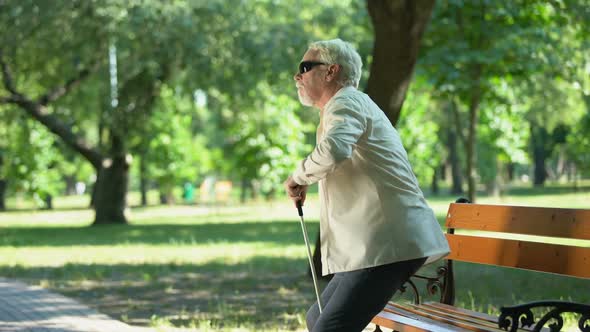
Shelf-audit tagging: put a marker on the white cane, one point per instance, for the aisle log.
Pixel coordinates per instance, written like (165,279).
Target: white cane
(304,230)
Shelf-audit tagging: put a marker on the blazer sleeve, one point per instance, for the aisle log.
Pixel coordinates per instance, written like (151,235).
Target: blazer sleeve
(343,127)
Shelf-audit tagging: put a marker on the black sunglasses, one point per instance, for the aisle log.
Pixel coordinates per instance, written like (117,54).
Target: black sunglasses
(306,66)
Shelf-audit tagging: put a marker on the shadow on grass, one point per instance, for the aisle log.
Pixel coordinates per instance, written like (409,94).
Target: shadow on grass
(280,232)
(11,210)
(264,292)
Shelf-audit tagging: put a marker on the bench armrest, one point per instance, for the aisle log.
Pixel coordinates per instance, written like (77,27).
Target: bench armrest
(512,317)
(435,284)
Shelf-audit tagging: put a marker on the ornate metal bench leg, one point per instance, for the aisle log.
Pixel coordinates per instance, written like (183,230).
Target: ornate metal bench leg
(521,315)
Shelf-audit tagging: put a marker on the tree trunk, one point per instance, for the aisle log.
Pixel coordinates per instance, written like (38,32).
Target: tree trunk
(456,178)
(163,198)
(510,171)
(498,181)
(560,168)
(2,187)
(539,138)
(111,187)
(93,191)
(434,185)
(2,194)
(166,194)
(143,180)
(442,171)
(255,189)
(586,98)
(48,199)
(70,185)
(472,134)
(100,147)
(398,26)
(575,177)
(245,183)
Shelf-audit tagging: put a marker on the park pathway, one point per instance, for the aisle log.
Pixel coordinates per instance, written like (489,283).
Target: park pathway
(25,308)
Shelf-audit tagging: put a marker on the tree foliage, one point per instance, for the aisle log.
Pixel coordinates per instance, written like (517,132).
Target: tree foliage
(503,65)
(419,129)
(266,139)
(476,51)
(33,166)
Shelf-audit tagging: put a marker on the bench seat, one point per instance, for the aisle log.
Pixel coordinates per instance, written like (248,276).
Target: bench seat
(435,316)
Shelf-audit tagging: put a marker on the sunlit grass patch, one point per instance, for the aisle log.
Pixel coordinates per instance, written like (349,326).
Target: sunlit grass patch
(222,268)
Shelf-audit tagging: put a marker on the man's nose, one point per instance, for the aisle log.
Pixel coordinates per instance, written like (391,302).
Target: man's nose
(297,77)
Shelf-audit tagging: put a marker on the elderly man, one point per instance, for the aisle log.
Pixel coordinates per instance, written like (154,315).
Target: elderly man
(376,228)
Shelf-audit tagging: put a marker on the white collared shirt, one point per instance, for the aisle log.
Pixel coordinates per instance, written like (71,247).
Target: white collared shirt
(372,209)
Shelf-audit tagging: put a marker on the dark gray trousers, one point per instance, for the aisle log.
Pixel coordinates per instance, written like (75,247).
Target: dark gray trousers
(352,299)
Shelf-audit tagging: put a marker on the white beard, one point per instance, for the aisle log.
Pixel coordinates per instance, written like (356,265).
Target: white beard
(304,98)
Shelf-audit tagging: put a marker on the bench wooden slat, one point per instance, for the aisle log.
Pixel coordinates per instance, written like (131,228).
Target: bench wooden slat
(448,319)
(462,312)
(544,257)
(453,321)
(488,319)
(410,324)
(455,315)
(565,223)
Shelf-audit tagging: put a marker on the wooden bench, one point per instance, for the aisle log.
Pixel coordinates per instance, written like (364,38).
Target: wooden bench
(505,247)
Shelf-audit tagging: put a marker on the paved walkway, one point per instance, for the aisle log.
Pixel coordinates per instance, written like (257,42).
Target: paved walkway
(33,309)
(25,308)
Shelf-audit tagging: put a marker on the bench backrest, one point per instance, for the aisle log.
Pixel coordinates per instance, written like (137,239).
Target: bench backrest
(507,222)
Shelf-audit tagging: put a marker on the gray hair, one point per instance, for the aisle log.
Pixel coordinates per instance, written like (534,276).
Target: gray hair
(337,51)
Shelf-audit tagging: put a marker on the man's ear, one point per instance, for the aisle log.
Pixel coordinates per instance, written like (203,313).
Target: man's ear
(332,72)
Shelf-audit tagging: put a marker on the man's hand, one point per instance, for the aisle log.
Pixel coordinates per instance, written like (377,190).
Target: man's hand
(295,191)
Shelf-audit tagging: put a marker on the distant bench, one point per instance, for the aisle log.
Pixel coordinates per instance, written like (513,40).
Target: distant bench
(500,250)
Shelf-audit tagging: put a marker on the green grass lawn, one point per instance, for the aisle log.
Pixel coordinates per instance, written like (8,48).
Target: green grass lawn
(225,268)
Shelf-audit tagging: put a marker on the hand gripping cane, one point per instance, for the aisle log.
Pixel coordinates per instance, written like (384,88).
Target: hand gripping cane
(304,230)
